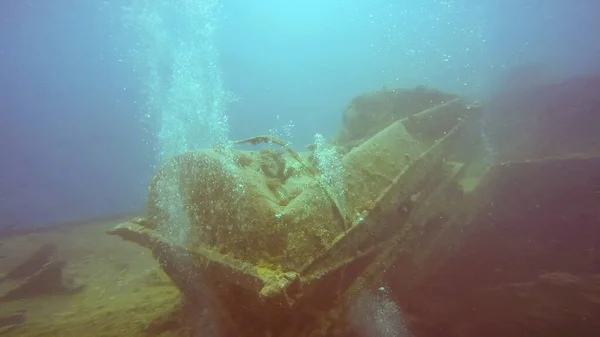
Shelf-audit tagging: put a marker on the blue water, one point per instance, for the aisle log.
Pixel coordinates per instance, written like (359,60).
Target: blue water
(90,102)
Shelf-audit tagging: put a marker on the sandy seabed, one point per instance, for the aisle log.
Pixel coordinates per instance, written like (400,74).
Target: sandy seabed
(124,287)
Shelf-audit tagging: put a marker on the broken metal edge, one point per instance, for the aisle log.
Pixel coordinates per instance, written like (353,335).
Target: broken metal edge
(267,282)
(358,226)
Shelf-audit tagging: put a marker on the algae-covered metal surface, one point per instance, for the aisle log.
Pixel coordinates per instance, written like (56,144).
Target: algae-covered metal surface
(273,248)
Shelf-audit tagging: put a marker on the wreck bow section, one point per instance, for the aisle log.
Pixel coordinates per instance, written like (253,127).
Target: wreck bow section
(273,249)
